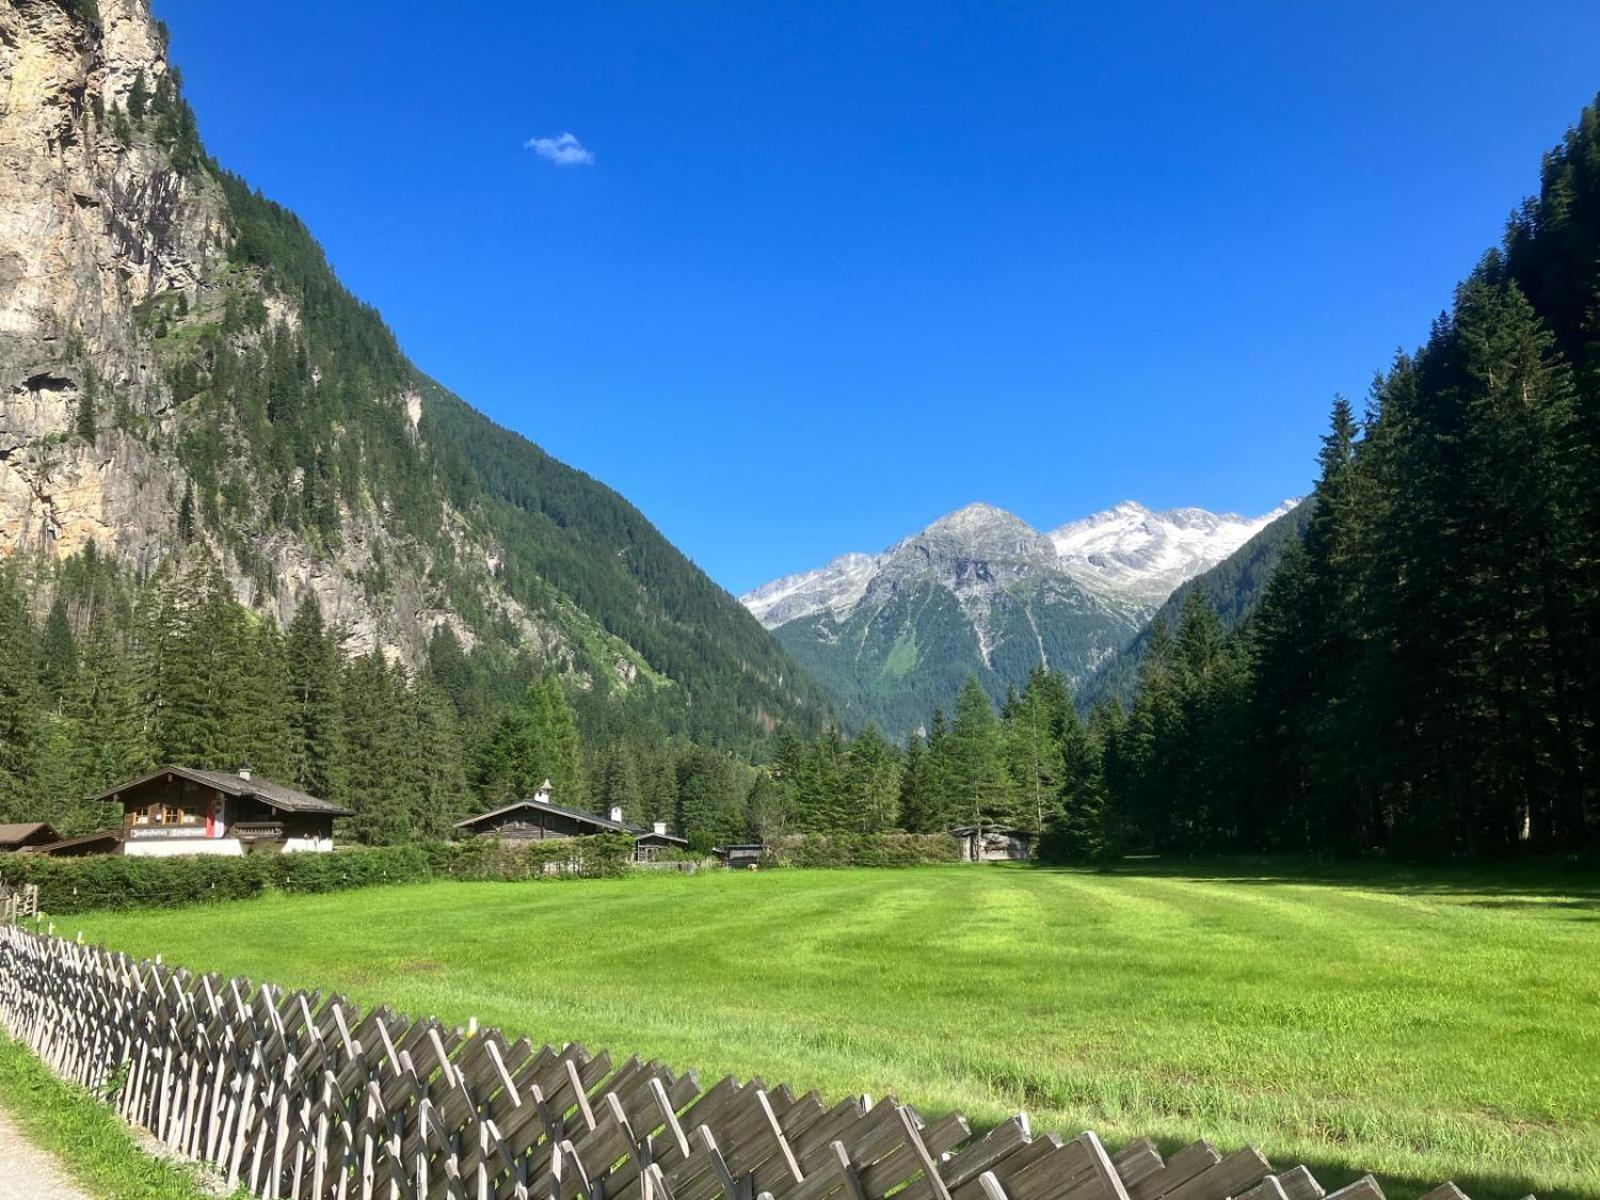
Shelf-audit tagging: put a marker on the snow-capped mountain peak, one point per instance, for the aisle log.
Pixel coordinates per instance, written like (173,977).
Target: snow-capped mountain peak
(1130,555)
(1141,555)
(836,587)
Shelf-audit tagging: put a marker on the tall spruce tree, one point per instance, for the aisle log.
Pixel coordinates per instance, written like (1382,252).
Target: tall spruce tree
(982,794)
(316,743)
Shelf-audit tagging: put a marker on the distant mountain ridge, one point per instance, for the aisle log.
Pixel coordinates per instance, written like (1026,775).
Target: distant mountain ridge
(979,591)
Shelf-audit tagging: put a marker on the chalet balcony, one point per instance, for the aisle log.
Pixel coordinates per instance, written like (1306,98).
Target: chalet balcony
(258,831)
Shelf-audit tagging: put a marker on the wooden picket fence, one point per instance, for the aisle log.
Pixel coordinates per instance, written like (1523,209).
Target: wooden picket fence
(18,903)
(301,1096)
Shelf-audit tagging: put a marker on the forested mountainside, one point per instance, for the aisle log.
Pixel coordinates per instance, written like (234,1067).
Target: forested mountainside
(1423,672)
(185,378)
(1232,590)
(980,593)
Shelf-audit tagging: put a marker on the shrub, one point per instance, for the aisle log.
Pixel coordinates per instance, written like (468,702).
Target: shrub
(69,885)
(862,850)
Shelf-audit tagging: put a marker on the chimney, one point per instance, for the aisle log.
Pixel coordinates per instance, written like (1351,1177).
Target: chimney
(244,774)
(661,829)
(616,813)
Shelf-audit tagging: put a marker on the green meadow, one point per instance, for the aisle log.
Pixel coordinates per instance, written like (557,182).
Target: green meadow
(1419,1026)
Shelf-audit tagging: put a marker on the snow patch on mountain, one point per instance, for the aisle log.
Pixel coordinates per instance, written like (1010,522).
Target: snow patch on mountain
(1142,556)
(836,587)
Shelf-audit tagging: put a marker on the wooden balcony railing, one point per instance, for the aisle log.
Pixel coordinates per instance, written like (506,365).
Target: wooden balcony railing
(258,831)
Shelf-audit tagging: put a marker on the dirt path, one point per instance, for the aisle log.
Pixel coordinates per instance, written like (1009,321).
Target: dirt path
(28,1173)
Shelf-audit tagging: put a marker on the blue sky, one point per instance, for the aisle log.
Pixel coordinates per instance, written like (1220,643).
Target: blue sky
(808,276)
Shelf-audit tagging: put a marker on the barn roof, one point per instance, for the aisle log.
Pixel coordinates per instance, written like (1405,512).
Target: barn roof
(558,810)
(16,834)
(273,795)
(1002,830)
(573,814)
(108,837)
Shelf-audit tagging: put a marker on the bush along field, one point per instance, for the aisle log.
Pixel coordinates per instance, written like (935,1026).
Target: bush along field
(71,885)
(1419,1026)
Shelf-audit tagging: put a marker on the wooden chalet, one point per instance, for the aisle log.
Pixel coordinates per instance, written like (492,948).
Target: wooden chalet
(993,844)
(181,810)
(537,818)
(29,836)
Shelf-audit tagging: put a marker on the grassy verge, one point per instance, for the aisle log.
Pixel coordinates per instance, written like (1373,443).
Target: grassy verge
(93,1144)
(1422,1025)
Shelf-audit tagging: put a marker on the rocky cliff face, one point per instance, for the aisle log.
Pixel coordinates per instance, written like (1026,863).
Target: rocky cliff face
(89,228)
(183,376)
(99,227)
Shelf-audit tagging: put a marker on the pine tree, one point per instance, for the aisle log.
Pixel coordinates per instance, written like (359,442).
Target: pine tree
(535,741)
(21,707)
(942,803)
(58,655)
(84,424)
(766,808)
(382,784)
(872,782)
(1034,728)
(316,745)
(186,529)
(982,794)
(267,735)
(711,809)
(138,98)
(919,798)
(205,709)
(620,786)
(439,762)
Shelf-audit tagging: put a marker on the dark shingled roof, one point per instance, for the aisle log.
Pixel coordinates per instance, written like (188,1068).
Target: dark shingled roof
(13,835)
(575,814)
(109,837)
(558,810)
(273,795)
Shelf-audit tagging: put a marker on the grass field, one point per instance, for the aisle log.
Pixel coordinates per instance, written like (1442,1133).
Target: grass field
(1421,1027)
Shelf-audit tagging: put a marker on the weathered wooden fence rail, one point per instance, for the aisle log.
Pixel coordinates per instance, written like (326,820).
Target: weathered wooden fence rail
(18,903)
(302,1096)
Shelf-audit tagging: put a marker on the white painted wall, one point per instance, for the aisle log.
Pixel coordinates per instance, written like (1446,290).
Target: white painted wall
(178,847)
(307,845)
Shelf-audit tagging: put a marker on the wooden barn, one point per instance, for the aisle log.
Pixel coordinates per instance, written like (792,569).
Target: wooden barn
(992,844)
(538,818)
(181,810)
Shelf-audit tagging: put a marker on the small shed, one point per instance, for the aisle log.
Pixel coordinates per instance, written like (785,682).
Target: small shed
(649,843)
(990,843)
(744,856)
(27,836)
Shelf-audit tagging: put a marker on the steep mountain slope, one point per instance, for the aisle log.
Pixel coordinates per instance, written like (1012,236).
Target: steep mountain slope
(1232,588)
(980,592)
(181,373)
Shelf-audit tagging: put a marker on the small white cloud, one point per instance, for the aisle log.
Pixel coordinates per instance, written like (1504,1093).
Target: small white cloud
(564,151)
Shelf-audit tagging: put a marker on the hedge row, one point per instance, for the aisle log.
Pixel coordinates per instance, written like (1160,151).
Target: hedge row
(69,885)
(861,850)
